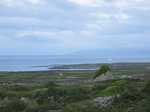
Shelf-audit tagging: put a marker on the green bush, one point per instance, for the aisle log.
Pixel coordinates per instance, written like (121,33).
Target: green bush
(142,106)
(3,94)
(147,88)
(85,106)
(14,105)
(73,94)
(131,94)
(102,70)
(110,91)
(116,88)
(19,88)
(40,96)
(39,108)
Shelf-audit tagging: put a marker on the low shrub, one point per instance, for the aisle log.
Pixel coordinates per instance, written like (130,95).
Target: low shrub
(15,105)
(85,106)
(117,87)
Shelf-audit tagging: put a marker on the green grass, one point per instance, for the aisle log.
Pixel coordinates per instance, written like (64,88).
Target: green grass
(77,74)
(44,74)
(115,88)
(22,74)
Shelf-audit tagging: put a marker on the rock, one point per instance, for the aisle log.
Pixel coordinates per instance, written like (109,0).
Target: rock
(103,102)
(25,100)
(60,74)
(109,76)
(105,77)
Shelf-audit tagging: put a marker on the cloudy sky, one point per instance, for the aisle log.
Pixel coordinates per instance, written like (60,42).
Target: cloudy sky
(67,26)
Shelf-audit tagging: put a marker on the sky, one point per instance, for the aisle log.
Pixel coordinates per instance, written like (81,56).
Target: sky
(66,26)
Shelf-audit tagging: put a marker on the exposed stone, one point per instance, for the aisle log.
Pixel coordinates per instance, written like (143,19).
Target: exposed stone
(103,102)
(110,76)
(104,77)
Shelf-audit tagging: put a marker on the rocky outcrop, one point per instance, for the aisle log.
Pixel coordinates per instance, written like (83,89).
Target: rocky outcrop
(103,102)
(104,77)
(110,76)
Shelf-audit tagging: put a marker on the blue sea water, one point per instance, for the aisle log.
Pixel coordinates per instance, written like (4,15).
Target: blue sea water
(42,63)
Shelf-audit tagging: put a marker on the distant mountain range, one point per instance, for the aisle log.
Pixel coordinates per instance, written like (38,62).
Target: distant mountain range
(108,53)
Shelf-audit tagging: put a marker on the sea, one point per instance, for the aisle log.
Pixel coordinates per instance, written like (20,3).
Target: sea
(15,63)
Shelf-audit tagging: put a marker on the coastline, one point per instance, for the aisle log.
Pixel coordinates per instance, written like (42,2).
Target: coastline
(82,67)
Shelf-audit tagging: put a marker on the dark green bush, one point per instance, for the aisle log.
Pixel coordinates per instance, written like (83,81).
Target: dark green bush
(102,70)
(147,88)
(18,88)
(85,106)
(142,106)
(3,94)
(14,105)
(132,94)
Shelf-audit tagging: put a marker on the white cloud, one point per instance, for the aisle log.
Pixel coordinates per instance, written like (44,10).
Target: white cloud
(84,2)
(80,27)
(34,2)
(131,4)
(19,21)
(21,3)
(118,4)
(65,38)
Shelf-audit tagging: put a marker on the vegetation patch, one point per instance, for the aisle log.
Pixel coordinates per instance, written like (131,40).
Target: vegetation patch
(115,88)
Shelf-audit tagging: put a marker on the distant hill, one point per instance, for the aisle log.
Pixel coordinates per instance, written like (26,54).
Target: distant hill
(108,53)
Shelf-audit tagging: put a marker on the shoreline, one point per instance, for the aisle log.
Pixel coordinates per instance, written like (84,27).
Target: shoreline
(77,67)
(51,70)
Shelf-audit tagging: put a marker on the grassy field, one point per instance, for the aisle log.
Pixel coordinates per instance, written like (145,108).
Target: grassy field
(74,91)
(44,77)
